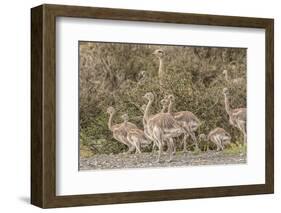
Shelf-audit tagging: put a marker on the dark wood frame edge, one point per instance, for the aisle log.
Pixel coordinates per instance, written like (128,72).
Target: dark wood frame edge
(43,102)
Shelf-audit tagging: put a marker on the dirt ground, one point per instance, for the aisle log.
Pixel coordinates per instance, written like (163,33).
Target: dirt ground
(148,159)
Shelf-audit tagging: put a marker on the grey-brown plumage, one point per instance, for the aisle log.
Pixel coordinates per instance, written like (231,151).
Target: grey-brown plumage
(144,122)
(161,127)
(187,120)
(202,138)
(128,125)
(135,136)
(119,131)
(164,102)
(159,53)
(237,117)
(219,137)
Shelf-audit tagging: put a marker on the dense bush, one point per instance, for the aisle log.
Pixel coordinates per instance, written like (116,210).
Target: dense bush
(110,76)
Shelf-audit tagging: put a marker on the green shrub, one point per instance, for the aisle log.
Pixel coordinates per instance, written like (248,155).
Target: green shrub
(109,76)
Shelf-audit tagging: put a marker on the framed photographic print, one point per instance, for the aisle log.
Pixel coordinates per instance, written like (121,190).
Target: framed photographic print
(136,106)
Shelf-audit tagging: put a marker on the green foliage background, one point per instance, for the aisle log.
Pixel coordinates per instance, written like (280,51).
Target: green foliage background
(110,76)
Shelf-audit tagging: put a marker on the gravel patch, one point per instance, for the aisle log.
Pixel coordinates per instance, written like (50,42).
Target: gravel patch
(148,159)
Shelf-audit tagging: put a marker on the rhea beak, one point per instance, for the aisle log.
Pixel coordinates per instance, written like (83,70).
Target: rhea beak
(154,52)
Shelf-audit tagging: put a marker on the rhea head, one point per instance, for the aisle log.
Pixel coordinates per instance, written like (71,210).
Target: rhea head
(171,97)
(149,96)
(225,91)
(159,53)
(142,75)
(125,117)
(164,102)
(202,137)
(110,110)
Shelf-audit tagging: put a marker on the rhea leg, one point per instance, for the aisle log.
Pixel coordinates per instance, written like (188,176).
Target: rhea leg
(244,135)
(218,146)
(174,148)
(153,146)
(242,128)
(207,146)
(160,146)
(222,148)
(218,143)
(131,149)
(194,140)
(159,141)
(147,135)
(185,142)
(170,146)
(245,138)
(137,145)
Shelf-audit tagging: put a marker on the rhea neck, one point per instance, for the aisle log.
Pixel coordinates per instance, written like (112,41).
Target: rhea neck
(161,66)
(163,109)
(161,69)
(170,107)
(226,76)
(226,103)
(110,121)
(147,110)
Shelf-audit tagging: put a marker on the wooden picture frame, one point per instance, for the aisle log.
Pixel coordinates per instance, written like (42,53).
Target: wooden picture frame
(43,105)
